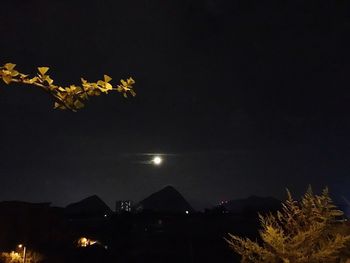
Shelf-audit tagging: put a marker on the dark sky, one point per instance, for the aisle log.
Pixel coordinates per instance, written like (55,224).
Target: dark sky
(248,97)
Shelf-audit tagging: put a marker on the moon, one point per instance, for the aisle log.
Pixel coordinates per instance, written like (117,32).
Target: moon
(157,160)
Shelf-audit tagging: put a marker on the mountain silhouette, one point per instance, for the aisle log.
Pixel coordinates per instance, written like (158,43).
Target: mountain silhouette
(90,206)
(253,204)
(166,200)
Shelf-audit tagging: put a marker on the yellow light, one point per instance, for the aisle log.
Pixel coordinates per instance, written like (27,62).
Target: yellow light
(85,242)
(157,160)
(20,245)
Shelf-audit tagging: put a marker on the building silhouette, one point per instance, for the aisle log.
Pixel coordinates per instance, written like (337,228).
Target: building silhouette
(123,206)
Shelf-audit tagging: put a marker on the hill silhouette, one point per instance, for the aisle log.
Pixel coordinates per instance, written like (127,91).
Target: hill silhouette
(167,199)
(90,206)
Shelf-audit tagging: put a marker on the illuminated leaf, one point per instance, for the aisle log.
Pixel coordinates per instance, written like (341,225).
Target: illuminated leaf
(71,88)
(57,105)
(23,76)
(14,73)
(78,89)
(133,93)
(62,95)
(33,80)
(107,87)
(48,80)
(10,66)
(43,70)
(7,79)
(131,81)
(107,78)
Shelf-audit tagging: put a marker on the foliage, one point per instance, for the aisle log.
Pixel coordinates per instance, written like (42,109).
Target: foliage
(304,231)
(72,97)
(15,257)
(12,257)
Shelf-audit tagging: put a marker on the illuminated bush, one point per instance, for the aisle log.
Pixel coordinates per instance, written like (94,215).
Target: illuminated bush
(12,257)
(16,257)
(302,232)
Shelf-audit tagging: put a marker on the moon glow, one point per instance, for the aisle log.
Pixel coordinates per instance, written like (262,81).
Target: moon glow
(157,160)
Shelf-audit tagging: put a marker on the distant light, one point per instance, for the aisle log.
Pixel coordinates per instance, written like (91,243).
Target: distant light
(157,160)
(105,215)
(85,242)
(20,245)
(186,212)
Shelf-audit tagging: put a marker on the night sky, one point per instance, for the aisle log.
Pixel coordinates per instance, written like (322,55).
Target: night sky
(245,97)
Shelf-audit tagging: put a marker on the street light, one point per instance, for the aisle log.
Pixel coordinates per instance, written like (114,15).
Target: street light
(24,251)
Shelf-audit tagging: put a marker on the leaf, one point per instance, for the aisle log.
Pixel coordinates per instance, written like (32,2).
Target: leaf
(78,89)
(23,75)
(84,96)
(71,88)
(10,66)
(14,73)
(7,79)
(107,78)
(69,100)
(62,95)
(133,93)
(49,80)
(43,70)
(53,87)
(32,80)
(78,104)
(108,86)
(130,81)
(57,105)
(100,82)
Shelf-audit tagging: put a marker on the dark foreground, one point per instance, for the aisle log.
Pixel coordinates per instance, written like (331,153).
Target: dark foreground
(143,237)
